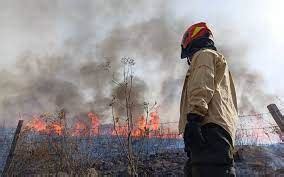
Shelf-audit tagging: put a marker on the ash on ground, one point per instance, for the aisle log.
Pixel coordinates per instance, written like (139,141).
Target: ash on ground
(250,161)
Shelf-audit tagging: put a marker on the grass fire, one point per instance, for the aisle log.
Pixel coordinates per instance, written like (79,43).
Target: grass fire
(141,88)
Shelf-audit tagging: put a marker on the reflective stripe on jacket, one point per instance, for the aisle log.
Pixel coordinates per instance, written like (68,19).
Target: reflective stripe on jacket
(209,91)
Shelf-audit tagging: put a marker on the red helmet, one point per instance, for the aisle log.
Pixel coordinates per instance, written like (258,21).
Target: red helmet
(195,31)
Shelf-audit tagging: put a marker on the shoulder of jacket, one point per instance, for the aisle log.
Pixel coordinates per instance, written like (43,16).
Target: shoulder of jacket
(209,52)
(205,53)
(217,56)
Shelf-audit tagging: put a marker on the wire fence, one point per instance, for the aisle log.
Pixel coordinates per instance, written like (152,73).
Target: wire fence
(63,150)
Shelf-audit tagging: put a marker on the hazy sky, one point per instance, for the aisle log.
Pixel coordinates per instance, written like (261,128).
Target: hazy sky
(259,22)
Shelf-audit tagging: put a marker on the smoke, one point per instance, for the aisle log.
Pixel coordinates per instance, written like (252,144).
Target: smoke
(134,90)
(78,51)
(48,83)
(250,84)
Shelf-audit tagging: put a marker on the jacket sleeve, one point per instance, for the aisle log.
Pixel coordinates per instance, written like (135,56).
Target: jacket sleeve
(201,86)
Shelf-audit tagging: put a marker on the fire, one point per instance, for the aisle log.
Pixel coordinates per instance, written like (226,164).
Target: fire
(143,126)
(95,123)
(120,130)
(37,124)
(56,128)
(154,121)
(80,129)
(140,127)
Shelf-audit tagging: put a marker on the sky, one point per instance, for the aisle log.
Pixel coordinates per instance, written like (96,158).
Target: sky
(250,32)
(258,21)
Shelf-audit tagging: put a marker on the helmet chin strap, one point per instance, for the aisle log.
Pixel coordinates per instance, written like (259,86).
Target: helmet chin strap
(188,61)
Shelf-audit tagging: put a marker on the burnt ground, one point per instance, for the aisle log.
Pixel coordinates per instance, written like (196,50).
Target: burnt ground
(160,164)
(250,161)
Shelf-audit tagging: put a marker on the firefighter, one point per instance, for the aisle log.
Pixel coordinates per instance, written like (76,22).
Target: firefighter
(208,108)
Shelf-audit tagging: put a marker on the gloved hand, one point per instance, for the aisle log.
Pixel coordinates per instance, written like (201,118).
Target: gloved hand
(193,138)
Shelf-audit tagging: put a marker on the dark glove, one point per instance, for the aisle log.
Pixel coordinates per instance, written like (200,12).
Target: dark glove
(193,138)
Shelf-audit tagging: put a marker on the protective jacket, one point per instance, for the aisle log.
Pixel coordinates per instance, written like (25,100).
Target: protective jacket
(210,92)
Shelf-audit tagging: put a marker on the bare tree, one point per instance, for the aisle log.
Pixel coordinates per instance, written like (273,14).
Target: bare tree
(127,85)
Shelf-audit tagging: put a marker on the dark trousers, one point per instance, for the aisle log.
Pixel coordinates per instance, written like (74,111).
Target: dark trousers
(214,158)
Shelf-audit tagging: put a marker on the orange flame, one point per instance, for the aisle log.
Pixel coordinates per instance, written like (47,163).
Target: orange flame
(80,129)
(57,128)
(141,128)
(37,124)
(95,123)
(154,121)
(120,130)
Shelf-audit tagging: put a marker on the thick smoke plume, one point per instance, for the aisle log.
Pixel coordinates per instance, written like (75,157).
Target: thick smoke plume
(93,36)
(50,83)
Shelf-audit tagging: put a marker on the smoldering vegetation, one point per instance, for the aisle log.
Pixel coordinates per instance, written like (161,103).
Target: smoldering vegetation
(93,37)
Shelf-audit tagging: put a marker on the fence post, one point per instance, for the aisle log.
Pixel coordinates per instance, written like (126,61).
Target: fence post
(12,149)
(278,117)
